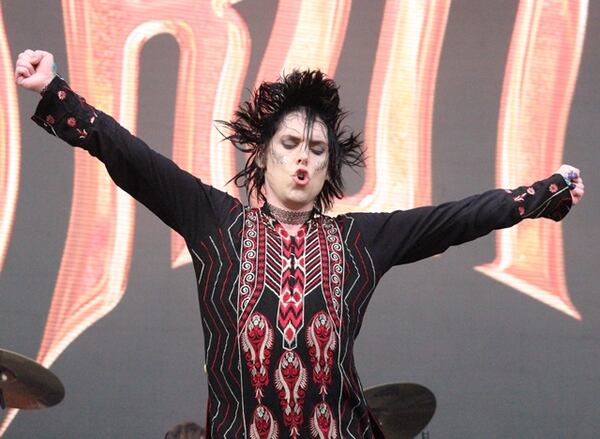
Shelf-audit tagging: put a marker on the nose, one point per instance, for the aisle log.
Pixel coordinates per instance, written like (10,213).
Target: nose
(302,157)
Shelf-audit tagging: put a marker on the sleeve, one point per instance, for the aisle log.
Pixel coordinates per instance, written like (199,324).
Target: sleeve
(178,198)
(406,236)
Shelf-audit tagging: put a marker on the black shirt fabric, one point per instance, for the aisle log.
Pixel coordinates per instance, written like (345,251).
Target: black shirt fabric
(280,313)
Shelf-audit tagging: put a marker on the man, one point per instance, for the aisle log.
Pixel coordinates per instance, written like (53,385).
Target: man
(283,288)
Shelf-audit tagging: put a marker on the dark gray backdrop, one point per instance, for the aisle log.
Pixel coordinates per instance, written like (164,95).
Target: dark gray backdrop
(500,364)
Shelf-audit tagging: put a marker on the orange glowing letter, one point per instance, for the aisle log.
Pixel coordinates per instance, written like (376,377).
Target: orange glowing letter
(306,34)
(542,67)
(10,144)
(398,126)
(104,39)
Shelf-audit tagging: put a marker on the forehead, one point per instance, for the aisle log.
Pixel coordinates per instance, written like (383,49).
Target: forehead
(295,124)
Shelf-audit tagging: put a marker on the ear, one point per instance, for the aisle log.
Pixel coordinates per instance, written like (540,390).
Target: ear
(259,160)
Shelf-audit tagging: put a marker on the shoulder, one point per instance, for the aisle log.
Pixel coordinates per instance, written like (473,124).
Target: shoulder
(361,223)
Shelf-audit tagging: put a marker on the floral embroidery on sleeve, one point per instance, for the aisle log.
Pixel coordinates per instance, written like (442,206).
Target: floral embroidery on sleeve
(64,114)
(548,198)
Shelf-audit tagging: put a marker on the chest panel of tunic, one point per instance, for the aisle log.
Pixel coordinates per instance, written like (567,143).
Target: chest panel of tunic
(290,269)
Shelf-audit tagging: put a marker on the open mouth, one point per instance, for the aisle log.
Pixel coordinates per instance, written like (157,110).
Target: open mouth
(301,177)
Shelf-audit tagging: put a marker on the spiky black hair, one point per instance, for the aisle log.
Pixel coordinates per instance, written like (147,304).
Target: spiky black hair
(255,122)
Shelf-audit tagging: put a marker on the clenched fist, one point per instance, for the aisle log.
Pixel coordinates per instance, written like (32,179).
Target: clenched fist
(34,69)
(572,174)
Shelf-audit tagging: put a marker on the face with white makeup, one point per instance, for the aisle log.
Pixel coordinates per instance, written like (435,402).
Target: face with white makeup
(295,163)
(296,144)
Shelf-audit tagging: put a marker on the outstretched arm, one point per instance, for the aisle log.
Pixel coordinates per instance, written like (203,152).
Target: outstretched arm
(405,236)
(181,200)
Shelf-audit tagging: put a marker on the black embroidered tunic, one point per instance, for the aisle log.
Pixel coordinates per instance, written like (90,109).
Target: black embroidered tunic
(280,313)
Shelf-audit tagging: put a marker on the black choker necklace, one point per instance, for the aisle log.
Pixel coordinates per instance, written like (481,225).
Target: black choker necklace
(290,217)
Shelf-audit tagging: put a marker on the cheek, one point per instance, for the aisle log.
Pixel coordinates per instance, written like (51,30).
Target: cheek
(279,159)
(321,164)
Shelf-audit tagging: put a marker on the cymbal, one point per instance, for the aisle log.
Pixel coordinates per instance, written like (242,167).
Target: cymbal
(402,410)
(25,384)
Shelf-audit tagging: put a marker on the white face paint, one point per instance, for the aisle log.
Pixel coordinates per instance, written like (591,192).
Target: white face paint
(296,163)
(280,159)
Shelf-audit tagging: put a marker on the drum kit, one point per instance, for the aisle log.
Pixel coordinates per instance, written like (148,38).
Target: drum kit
(402,410)
(25,384)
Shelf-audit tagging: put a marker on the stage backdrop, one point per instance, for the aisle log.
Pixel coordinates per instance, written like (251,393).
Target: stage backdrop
(452,97)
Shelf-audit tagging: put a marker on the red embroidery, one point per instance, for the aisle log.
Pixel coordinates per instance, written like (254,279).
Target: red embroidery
(257,343)
(521,210)
(332,257)
(50,119)
(321,341)
(263,425)
(62,95)
(290,382)
(322,422)
(553,188)
(290,313)
(252,265)
(71,121)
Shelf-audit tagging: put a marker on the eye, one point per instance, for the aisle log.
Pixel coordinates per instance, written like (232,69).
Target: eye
(318,149)
(289,144)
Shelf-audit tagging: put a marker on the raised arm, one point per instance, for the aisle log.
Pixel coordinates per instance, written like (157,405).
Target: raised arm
(405,236)
(178,198)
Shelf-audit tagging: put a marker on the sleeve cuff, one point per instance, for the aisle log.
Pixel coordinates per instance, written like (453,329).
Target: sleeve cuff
(51,111)
(560,201)
(63,113)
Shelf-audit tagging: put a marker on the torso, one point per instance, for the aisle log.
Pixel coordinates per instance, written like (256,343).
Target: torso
(280,315)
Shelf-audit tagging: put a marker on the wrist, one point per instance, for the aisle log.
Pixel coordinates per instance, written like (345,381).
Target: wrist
(46,84)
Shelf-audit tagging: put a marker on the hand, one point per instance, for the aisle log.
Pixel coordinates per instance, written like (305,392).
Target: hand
(34,70)
(573,175)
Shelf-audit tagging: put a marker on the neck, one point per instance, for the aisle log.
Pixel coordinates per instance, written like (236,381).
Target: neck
(290,217)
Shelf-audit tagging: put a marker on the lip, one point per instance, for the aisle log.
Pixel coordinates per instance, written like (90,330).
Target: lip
(301,182)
